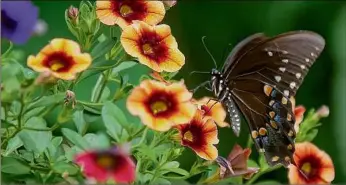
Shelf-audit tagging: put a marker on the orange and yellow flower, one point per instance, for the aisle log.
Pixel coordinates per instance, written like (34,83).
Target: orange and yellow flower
(313,166)
(154,46)
(213,110)
(161,106)
(62,57)
(200,135)
(123,12)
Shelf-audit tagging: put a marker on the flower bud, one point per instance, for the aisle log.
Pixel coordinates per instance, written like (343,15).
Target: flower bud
(45,77)
(323,111)
(73,14)
(70,98)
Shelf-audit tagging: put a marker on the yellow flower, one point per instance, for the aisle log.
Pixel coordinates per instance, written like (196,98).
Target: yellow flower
(62,57)
(154,46)
(161,106)
(123,12)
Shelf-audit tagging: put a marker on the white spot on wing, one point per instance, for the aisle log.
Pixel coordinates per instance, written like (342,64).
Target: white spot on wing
(270,53)
(312,54)
(292,85)
(302,66)
(307,60)
(282,69)
(277,78)
(284,52)
(317,49)
(286,92)
(298,75)
(285,61)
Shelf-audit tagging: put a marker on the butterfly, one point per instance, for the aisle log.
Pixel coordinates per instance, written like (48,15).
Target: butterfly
(258,80)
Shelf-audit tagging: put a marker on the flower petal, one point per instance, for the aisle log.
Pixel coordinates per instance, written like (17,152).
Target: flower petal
(210,132)
(156,12)
(126,173)
(161,124)
(207,152)
(175,61)
(35,63)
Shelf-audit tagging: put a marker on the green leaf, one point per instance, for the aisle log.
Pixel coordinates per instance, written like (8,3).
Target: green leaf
(179,171)
(162,181)
(70,153)
(97,141)
(61,167)
(74,138)
(13,144)
(252,163)
(105,94)
(78,119)
(36,141)
(14,166)
(170,165)
(34,112)
(48,100)
(124,65)
(268,182)
(114,120)
(262,162)
(310,135)
(52,150)
(103,47)
(66,114)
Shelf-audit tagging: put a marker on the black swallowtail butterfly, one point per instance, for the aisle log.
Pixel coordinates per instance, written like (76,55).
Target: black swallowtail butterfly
(258,79)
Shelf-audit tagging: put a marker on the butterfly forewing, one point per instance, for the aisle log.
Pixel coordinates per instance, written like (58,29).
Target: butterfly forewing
(263,74)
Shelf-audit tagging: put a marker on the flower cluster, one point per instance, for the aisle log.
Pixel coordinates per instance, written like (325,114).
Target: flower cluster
(170,119)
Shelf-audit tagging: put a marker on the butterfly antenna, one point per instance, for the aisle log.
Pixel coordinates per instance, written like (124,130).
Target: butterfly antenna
(205,47)
(199,72)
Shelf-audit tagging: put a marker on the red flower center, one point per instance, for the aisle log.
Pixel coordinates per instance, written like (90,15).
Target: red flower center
(58,62)
(161,104)
(129,10)
(193,136)
(309,167)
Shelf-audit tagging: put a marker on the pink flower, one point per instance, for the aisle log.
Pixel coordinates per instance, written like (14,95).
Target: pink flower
(102,165)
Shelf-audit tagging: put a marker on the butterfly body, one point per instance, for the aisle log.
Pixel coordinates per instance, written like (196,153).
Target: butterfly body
(258,79)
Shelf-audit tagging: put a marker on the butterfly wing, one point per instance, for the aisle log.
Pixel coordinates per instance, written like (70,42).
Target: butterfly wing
(263,75)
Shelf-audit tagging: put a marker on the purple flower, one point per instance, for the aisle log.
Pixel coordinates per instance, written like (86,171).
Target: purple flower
(18,19)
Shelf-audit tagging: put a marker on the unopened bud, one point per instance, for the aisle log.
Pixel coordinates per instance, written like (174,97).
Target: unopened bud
(45,77)
(70,97)
(73,13)
(323,111)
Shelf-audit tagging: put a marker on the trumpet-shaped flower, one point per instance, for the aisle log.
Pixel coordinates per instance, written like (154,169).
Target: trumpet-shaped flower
(102,165)
(154,46)
(161,106)
(123,12)
(62,58)
(313,166)
(200,135)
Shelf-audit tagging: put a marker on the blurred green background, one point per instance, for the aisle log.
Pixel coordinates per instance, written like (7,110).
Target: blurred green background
(228,22)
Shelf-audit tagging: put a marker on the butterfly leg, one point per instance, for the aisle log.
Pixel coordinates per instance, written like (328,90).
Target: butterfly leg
(199,86)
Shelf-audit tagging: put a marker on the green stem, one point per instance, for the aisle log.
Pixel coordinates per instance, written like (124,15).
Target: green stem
(55,126)
(260,173)
(8,49)
(249,142)
(143,138)
(8,138)
(137,133)
(21,112)
(103,84)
